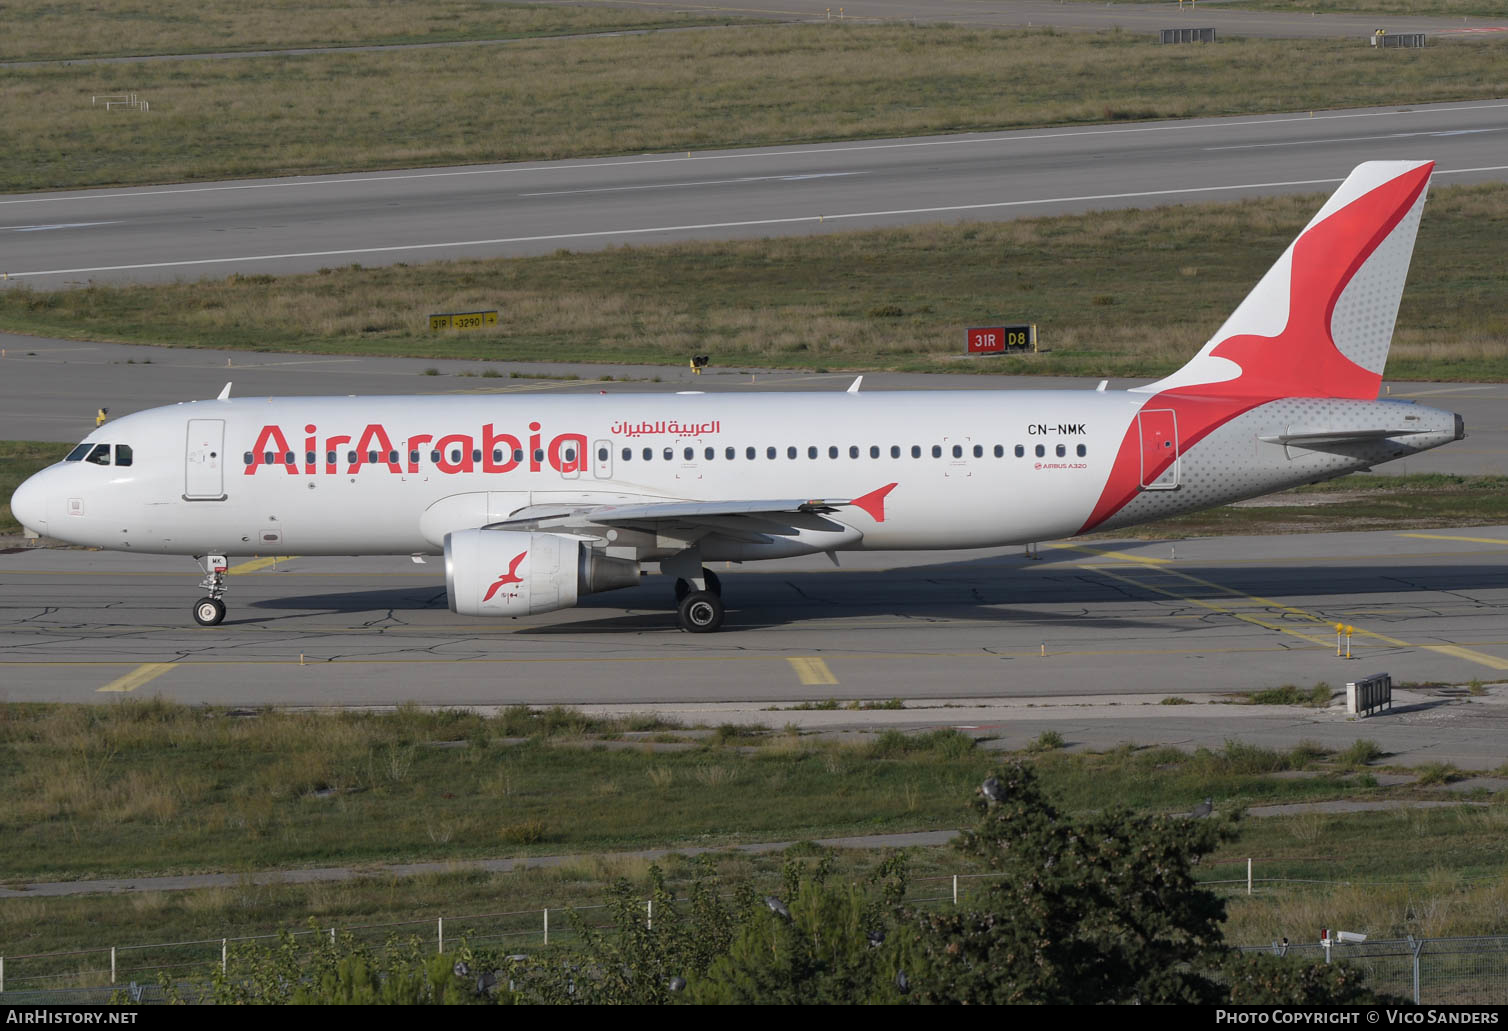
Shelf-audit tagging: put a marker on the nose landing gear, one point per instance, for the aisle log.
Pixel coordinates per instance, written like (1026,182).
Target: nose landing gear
(210,611)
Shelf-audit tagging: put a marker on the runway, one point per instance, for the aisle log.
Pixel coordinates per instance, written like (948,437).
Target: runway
(302,224)
(1104,617)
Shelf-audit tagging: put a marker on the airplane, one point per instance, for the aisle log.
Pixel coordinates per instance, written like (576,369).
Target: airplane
(536,502)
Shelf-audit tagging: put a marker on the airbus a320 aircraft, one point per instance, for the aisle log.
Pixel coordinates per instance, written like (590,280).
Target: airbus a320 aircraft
(535,502)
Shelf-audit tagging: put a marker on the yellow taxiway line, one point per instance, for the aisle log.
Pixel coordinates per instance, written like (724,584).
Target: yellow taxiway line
(143,674)
(812,671)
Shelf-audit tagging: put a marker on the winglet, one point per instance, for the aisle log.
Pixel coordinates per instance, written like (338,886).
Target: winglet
(854,389)
(224,395)
(874,502)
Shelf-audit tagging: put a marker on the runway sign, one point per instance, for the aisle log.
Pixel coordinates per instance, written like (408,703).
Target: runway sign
(462,320)
(1001,339)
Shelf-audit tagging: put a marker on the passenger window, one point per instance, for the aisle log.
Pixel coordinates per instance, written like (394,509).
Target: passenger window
(769,452)
(916,451)
(288,458)
(730,453)
(978,451)
(497,454)
(101,455)
(874,451)
(392,456)
(689,453)
(1081,450)
(1020,451)
(749,453)
(1041,450)
(853,451)
(413,457)
(1060,450)
(123,454)
(539,454)
(249,457)
(670,454)
(351,457)
(372,457)
(936,450)
(434,456)
(78,453)
(811,451)
(957,450)
(832,452)
(790,452)
(455,457)
(628,454)
(649,454)
(895,451)
(476,455)
(602,454)
(709,453)
(999,450)
(518,456)
(268,458)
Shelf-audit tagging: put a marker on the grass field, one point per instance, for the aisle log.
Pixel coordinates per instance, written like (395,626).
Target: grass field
(116,28)
(146,787)
(1124,294)
(670,92)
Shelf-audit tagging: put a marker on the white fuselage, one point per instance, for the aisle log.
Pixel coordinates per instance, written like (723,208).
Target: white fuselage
(970,468)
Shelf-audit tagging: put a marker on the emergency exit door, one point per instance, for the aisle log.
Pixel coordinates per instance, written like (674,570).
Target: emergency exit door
(204,461)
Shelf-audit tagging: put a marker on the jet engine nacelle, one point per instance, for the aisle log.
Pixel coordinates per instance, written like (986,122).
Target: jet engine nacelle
(515,573)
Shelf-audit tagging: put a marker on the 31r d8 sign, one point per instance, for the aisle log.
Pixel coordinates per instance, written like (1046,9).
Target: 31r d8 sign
(1001,339)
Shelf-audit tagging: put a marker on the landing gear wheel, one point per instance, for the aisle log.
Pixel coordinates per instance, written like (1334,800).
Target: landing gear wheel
(700,612)
(209,611)
(682,588)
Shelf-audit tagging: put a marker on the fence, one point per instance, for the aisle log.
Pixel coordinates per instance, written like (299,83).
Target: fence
(1430,971)
(106,967)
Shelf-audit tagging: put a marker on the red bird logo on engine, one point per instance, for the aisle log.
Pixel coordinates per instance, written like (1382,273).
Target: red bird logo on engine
(511,577)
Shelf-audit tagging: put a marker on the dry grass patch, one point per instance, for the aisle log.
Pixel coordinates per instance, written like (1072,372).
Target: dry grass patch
(98,28)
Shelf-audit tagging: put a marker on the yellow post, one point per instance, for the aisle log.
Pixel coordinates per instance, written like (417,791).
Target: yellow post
(1339,629)
(1349,630)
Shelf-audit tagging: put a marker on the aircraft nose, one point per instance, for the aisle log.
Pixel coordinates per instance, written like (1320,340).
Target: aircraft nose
(29,506)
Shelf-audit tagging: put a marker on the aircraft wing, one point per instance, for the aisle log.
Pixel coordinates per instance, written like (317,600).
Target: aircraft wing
(708,514)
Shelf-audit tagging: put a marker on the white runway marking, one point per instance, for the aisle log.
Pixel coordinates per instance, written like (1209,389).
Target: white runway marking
(58,225)
(701,182)
(1354,139)
(736,155)
(795,220)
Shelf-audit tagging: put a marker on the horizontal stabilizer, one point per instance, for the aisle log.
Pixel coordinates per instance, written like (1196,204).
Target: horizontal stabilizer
(1335,436)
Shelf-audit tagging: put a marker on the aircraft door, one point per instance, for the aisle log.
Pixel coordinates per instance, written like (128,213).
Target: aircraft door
(602,459)
(1159,449)
(204,461)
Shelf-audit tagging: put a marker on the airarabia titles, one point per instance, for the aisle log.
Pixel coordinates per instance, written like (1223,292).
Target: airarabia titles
(490,451)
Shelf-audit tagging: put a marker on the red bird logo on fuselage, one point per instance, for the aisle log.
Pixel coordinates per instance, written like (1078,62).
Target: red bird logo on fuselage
(511,577)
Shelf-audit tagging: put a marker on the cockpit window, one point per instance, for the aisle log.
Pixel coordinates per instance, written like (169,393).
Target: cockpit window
(79,452)
(123,454)
(100,455)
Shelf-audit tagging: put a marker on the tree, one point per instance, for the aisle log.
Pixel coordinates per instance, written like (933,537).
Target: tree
(1094,909)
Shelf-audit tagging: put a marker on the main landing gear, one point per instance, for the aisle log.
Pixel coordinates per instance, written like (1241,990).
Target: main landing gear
(210,611)
(699,611)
